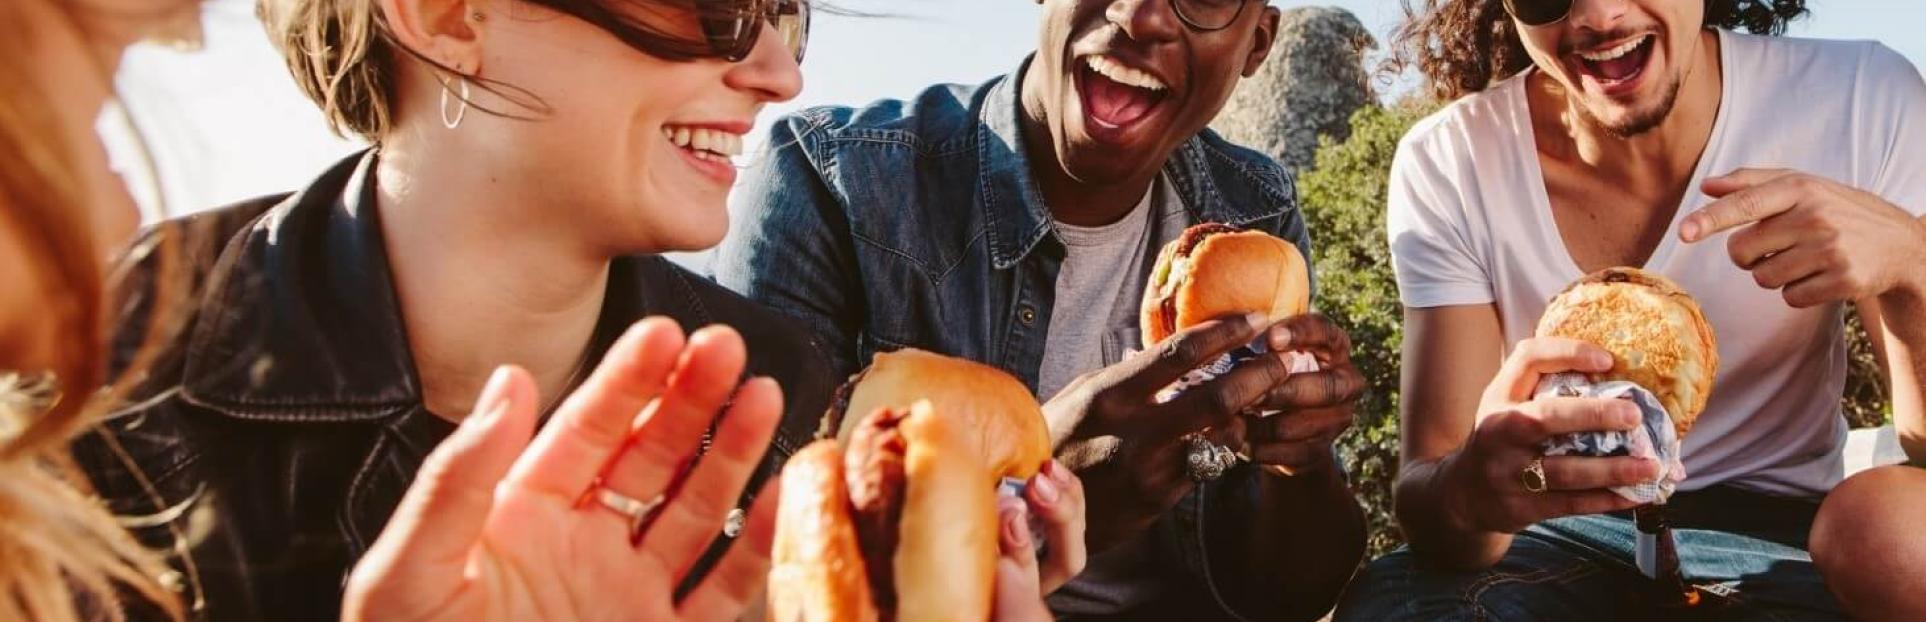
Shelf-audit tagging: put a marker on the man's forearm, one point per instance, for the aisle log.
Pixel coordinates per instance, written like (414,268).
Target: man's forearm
(1430,527)
(1290,556)
(1903,318)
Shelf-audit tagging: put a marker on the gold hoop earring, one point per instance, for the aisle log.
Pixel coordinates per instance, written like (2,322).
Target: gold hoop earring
(461,109)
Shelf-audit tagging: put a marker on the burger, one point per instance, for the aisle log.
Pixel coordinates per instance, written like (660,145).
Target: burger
(1657,335)
(895,518)
(1214,270)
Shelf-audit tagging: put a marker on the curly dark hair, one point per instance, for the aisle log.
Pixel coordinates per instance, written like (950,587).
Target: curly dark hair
(1463,46)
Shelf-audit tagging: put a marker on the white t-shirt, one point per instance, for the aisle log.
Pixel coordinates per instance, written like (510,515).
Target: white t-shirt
(1470,223)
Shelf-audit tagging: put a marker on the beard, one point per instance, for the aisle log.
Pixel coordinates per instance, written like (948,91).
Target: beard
(1640,121)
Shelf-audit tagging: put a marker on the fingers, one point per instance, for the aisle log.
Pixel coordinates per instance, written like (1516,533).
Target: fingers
(1219,401)
(1787,267)
(737,580)
(1304,425)
(1055,496)
(1017,584)
(1816,290)
(590,426)
(1331,386)
(1753,244)
(1740,179)
(442,515)
(1528,426)
(670,428)
(1311,333)
(1189,349)
(1589,473)
(1745,197)
(696,514)
(1540,356)
(1577,503)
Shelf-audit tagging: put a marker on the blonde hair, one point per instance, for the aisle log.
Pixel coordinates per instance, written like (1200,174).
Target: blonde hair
(63,556)
(339,56)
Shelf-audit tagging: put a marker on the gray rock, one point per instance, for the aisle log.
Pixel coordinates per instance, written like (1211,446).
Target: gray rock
(1312,82)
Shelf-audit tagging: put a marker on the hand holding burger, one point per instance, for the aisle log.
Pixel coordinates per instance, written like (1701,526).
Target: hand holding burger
(1215,290)
(898,517)
(1617,324)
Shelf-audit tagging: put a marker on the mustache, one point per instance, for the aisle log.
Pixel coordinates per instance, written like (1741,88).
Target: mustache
(1588,39)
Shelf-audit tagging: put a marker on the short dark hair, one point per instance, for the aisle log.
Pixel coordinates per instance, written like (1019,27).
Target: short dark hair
(1464,46)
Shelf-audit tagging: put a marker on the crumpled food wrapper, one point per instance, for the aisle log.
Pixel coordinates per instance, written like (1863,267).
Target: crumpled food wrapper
(1653,438)
(1300,362)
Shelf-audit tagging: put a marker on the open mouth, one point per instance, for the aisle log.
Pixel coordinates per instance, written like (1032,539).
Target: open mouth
(708,149)
(1620,64)
(1115,95)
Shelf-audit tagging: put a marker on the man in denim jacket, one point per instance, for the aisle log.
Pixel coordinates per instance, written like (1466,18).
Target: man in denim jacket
(1015,223)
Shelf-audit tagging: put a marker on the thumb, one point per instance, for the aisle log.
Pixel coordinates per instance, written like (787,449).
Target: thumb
(441,517)
(1018,585)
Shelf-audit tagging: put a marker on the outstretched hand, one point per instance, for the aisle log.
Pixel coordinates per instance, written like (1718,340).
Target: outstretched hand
(1815,240)
(497,528)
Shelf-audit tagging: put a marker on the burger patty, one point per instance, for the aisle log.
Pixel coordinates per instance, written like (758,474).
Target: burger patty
(873,469)
(1187,243)
(1197,234)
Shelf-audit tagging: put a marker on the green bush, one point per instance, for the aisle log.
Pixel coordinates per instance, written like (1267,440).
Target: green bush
(1343,198)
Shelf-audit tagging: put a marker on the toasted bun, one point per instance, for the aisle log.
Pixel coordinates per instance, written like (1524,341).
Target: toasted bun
(969,426)
(1657,335)
(1227,272)
(815,566)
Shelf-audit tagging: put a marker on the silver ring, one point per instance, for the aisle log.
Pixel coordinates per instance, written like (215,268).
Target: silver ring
(732,526)
(637,511)
(1207,461)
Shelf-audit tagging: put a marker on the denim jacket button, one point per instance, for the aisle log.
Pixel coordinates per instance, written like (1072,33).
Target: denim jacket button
(1027,315)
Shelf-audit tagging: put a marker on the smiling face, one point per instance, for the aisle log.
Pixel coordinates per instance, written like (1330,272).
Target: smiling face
(1621,62)
(1124,82)
(635,148)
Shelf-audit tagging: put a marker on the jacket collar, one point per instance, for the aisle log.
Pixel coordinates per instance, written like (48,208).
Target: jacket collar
(1216,183)
(299,321)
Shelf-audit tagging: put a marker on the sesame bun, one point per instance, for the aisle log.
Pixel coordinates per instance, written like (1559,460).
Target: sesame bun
(1657,335)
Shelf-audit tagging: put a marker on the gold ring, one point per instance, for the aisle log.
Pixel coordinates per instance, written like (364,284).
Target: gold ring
(1534,475)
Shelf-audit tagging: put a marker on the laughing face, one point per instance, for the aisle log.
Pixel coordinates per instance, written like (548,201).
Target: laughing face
(639,148)
(1121,83)
(1621,62)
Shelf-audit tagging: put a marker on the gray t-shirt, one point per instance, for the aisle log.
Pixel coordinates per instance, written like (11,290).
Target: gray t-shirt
(1100,274)
(1093,324)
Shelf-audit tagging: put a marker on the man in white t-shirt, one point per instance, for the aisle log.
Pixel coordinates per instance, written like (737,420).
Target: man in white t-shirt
(1774,179)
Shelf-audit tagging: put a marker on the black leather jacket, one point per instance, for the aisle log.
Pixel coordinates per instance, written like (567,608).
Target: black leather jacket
(285,422)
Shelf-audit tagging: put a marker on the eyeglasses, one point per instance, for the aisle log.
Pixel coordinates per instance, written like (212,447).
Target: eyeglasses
(1536,13)
(1208,15)
(732,26)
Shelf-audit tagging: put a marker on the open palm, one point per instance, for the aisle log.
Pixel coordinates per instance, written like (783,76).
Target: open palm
(497,528)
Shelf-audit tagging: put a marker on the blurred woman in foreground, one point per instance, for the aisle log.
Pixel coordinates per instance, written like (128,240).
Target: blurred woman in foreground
(460,545)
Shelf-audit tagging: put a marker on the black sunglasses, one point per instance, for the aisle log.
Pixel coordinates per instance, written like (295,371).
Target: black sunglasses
(1536,13)
(1208,15)
(732,26)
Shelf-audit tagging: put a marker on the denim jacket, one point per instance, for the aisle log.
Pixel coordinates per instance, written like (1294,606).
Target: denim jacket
(282,427)
(917,224)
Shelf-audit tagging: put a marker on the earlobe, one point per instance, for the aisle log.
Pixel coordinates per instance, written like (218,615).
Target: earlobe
(445,32)
(1262,41)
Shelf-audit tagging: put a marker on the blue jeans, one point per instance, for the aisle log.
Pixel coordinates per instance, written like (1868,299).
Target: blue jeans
(1751,546)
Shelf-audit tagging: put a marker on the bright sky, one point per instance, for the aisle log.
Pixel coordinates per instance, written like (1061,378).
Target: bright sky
(226,123)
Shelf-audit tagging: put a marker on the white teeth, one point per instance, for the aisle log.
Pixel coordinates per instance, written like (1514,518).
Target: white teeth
(1124,74)
(1621,50)
(705,141)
